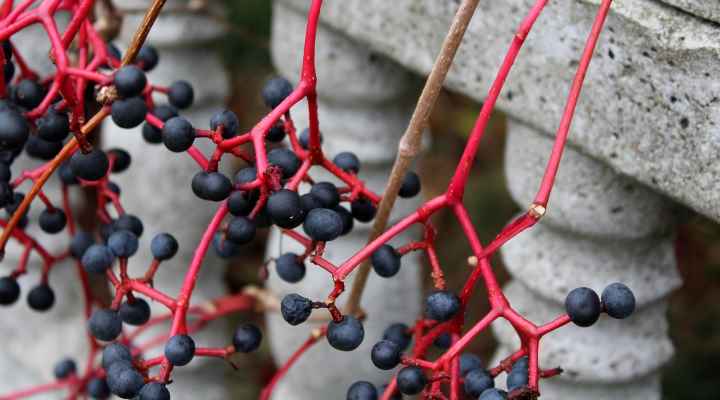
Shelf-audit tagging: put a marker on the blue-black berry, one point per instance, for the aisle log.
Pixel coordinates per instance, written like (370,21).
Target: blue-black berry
(442,305)
(385,261)
(345,335)
(91,166)
(411,380)
(212,186)
(154,391)
(123,243)
(80,243)
(326,193)
(385,354)
(240,203)
(115,352)
(304,138)
(97,258)
(181,94)
(286,160)
(228,120)
(583,306)
(180,350)
(477,381)
(410,186)
(275,91)
(163,246)
(363,210)
(52,220)
(178,134)
(276,133)
(147,58)
(290,268)
(247,338)
(41,297)
(54,126)
(98,389)
(129,81)
(128,113)
(14,129)
(42,149)
(348,162)
(129,222)
(347,219)
(493,394)
(323,225)
(241,230)
(468,362)
(105,324)
(284,209)
(362,390)
(136,312)
(9,290)
(64,368)
(150,133)
(398,333)
(124,381)
(618,301)
(28,94)
(443,341)
(295,309)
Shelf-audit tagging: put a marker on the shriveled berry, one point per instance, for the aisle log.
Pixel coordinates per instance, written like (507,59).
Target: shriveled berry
(41,297)
(290,268)
(398,333)
(129,81)
(91,166)
(385,261)
(385,354)
(583,306)
(163,246)
(363,210)
(284,209)
(9,290)
(442,305)
(228,120)
(477,381)
(14,129)
(128,113)
(181,94)
(52,221)
(180,350)
(54,126)
(64,368)
(618,301)
(410,186)
(136,312)
(105,324)
(326,193)
(345,335)
(275,91)
(295,309)
(286,160)
(323,225)
(362,390)
(123,243)
(411,380)
(247,338)
(212,186)
(178,134)
(154,391)
(97,258)
(241,230)
(348,162)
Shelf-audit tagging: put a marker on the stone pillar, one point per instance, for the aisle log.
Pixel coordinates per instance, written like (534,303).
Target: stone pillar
(365,102)
(601,227)
(157,186)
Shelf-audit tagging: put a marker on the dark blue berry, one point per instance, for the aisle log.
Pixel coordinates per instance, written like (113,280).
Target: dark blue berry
(276,133)
(29,94)
(345,335)
(41,297)
(152,134)
(98,389)
(443,341)
(290,268)
(115,352)
(517,378)
(178,134)
(54,126)
(124,381)
(304,139)
(180,350)
(52,221)
(347,219)
(80,243)
(129,222)
(363,210)
(493,394)
(411,380)
(286,160)
(163,246)
(147,58)
(9,290)
(468,362)
(323,225)
(385,261)
(583,306)
(129,81)
(5,173)
(128,113)
(295,309)
(225,248)
(326,193)
(478,381)
(241,230)
(42,149)
(136,312)
(246,175)
(154,391)
(442,305)
(123,243)
(398,333)
(618,301)
(97,259)
(228,120)
(410,186)
(275,91)
(91,166)
(308,202)
(212,186)
(64,368)
(385,354)
(247,338)
(348,162)
(181,94)
(362,390)
(67,176)
(284,209)
(14,129)
(105,324)
(240,204)
(122,160)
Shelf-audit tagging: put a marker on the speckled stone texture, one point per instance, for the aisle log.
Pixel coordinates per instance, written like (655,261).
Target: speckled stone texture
(600,228)
(650,107)
(702,8)
(365,114)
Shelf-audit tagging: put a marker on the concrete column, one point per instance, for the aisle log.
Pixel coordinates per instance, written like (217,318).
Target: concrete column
(365,102)
(157,186)
(601,227)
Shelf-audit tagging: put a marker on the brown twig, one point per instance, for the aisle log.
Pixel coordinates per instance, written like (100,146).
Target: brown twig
(138,40)
(410,142)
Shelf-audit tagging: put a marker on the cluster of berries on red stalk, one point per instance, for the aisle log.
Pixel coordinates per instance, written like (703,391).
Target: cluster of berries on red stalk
(39,116)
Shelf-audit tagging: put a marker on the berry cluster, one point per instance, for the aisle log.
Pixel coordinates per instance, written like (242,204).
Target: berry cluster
(47,117)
